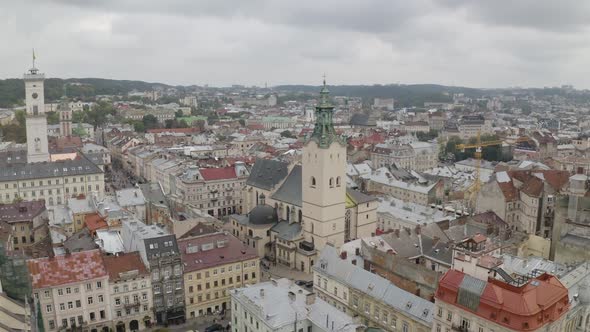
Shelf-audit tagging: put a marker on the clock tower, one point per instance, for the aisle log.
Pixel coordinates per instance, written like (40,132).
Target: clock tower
(36,122)
(324,179)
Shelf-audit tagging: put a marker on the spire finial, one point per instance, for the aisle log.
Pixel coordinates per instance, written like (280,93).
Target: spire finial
(324,79)
(34,58)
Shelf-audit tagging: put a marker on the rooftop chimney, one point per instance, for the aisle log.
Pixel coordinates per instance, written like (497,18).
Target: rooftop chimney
(262,292)
(343,255)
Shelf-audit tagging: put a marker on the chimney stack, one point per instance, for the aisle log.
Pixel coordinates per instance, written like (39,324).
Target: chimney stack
(310,299)
(343,255)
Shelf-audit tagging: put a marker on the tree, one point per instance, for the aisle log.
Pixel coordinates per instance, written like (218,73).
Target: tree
(242,122)
(287,134)
(20,117)
(149,121)
(427,136)
(139,127)
(52,117)
(178,114)
(39,315)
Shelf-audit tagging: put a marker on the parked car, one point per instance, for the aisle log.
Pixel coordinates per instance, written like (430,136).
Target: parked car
(214,328)
(300,282)
(309,284)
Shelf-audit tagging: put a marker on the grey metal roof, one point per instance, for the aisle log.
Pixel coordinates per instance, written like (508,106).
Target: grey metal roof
(290,191)
(80,166)
(374,285)
(153,193)
(287,231)
(358,197)
(130,197)
(266,173)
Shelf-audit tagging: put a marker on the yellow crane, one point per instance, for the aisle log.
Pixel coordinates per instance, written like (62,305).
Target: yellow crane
(471,192)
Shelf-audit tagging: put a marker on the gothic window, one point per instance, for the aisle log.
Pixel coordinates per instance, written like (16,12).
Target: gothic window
(338,181)
(288,213)
(331,182)
(313,183)
(300,216)
(347,218)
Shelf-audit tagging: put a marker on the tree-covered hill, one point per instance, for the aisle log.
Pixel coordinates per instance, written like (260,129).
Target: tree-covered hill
(12,91)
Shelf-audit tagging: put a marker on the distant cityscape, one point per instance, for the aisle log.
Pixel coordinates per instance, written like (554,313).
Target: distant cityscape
(131,206)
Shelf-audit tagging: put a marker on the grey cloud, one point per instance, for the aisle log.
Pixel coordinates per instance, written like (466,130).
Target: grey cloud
(474,43)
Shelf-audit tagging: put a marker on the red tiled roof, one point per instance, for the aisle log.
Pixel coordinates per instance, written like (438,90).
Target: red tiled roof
(526,308)
(22,211)
(556,179)
(94,221)
(478,238)
(66,269)
(256,126)
(509,191)
(124,263)
(211,174)
(533,187)
(233,251)
(174,130)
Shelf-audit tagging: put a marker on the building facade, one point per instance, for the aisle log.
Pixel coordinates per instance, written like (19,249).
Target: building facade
(466,303)
(130,290)
(159,252)
(29,222)
(72,291)
(367,296)
(215,262)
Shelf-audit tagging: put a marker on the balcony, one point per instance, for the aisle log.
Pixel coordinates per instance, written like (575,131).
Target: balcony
(459,328)
(131,305)
(214,199)
(306,248)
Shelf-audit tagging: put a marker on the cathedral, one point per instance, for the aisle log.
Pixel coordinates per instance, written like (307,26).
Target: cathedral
(297,209)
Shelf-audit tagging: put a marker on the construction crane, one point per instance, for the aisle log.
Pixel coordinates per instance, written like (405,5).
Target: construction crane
(473,190)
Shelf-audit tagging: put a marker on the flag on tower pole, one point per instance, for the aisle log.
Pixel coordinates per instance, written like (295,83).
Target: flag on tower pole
(34,58)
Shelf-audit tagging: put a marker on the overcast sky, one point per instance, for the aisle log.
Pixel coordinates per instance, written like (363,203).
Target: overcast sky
(221,42)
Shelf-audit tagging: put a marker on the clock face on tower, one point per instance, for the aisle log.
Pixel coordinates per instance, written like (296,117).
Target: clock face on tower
(34,95)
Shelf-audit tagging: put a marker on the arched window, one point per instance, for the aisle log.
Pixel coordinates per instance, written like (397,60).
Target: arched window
(338,181)
(331,182)
(312,181)
(300,216)
(256,197)
(288,213)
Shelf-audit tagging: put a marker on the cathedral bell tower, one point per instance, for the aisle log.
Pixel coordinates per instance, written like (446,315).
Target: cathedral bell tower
(36,122)
(324,179)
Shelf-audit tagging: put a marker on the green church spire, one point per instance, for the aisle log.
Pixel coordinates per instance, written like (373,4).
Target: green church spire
(323,132)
